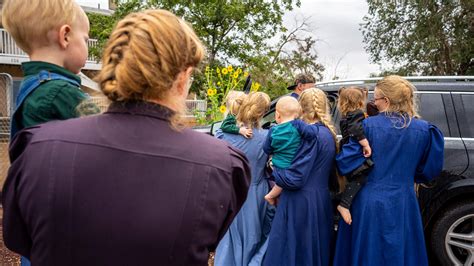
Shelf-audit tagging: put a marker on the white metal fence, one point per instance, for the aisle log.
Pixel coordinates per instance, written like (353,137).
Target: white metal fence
(195,107)
(6,85)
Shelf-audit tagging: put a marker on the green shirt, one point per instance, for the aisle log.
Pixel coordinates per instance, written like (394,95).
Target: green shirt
(229,125)
(285,141)
(52,100)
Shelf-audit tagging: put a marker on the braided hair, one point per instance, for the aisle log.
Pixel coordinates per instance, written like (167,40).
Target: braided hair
(315,107)
(252,109)
(144,55)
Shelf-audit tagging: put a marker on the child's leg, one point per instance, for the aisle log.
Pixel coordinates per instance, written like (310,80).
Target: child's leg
(352,188)
(273,194)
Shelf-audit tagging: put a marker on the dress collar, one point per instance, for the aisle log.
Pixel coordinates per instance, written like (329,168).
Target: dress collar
(141,108)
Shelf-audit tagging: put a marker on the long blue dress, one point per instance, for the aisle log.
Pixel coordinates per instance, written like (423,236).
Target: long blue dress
(386,222)
(302,226)
(245,241)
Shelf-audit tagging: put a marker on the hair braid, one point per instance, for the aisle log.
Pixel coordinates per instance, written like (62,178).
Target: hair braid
(253,107)
(113,55)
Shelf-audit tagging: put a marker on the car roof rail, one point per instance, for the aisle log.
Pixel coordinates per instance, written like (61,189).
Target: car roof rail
(410,78)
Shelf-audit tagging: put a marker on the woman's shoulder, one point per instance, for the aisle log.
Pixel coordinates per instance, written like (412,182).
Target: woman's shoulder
(205,149)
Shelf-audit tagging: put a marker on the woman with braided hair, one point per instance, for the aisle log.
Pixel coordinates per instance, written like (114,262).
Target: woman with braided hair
(130,186)
(386,227)
(245,241)
(302,227)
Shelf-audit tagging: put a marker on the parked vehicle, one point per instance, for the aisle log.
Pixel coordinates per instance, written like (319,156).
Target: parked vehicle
(447,203)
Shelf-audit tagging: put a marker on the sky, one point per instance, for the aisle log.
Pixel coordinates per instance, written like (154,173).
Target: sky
(336,24)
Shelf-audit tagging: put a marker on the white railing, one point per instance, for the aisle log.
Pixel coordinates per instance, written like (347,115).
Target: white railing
(8,48)
(196,106)
(193,106)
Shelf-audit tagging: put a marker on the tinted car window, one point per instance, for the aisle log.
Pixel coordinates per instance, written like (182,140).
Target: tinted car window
(432,110)
(466,112)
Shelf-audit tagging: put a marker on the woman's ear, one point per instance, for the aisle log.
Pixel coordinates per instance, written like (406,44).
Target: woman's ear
(63,37)
(184,81)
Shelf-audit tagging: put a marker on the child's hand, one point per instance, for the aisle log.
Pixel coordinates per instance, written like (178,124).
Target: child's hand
(367,151)
(246,132)
(270,199)
(345,214)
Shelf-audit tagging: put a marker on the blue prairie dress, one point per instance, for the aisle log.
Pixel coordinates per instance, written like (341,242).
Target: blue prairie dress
(302,227)
(386,222)
(245,241)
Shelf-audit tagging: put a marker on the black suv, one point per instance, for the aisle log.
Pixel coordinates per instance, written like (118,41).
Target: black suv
(447,203)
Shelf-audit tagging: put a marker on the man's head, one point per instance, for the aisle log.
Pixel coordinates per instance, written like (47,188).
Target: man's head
(287,109)
(302,82)
(58,28)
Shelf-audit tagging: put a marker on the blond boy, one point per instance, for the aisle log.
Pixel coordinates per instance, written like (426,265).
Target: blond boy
(54,34)
(284,139)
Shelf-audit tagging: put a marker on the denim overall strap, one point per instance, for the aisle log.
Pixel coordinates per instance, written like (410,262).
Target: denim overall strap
(28,86)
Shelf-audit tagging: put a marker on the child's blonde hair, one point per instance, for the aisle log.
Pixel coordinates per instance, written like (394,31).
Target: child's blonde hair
(254,106)
(29,22)
(351,99)
(288,106)
(144,55)
(401,95)
(234,100)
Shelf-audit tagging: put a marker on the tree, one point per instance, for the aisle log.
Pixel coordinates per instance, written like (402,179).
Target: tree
(237,32)
(421,37)
(294,53)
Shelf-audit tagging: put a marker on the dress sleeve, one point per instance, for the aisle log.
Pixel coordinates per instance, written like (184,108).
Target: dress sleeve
(432,161)
(306,131)
(229,125)
(350,157)
(355,125)
(267,146)
(240,184)
(15,232)
(295,176)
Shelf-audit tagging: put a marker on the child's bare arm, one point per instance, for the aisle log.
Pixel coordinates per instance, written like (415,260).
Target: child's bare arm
(365,147)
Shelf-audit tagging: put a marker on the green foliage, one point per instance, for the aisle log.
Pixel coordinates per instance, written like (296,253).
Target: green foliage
(236,32)
(421,37)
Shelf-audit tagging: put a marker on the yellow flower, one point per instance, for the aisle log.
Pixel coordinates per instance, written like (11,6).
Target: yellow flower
(224,71)
(236,75)
(222,109)
(239,70)
(246,73)
(255,86)
(219,83)
(229,68)
(218,70)
(207,68)
(211,92)
(214,91)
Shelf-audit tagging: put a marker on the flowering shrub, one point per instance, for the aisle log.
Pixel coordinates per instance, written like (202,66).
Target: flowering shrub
(219,82)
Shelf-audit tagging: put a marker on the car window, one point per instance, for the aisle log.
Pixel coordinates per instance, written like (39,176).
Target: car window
(432,109)
(466,115)
(268,119)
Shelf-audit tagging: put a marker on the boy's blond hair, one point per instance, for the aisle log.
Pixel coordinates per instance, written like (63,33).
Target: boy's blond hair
(234,100)
(288,107)
(29,21)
